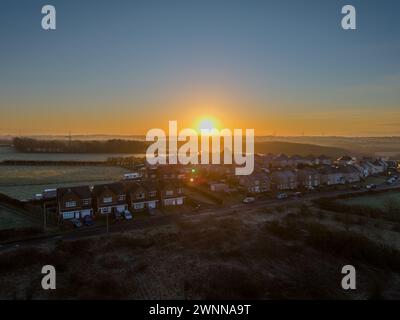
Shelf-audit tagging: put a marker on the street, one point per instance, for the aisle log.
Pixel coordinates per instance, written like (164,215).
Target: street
(167,219)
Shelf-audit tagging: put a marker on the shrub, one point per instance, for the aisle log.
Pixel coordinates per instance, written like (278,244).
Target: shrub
(22,258)
(226,282)
(352,245)
(285,230)
(305,211)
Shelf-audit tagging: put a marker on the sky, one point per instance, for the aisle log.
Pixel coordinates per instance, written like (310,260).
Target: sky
(123,67)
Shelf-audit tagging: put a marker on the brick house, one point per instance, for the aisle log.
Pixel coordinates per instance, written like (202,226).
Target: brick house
(171,193)
(330,175)
(257,182)
(110,197)
(143,196)
(74,202)
(284,180)
(308,177)
(350,174)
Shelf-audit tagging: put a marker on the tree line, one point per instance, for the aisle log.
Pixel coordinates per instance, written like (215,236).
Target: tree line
(78,146)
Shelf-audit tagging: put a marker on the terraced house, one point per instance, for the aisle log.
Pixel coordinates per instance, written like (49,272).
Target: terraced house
(74,202)
(171,192)
(257,182)
(110,197)
(350,174)
(143,196)
(308,177)
(331,175)
(284,180)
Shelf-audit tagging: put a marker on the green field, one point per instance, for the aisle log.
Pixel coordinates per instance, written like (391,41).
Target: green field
(12,219)
(375,201)
(374,180)
(23,182)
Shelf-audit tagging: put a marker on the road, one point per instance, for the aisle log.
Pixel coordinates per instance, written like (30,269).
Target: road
(167,219)
(306,197)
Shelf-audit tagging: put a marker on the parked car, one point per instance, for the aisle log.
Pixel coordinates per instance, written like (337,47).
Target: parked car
(281,196)
(88,221)
(249,200)
(371,186)
(128,215)
(76,223)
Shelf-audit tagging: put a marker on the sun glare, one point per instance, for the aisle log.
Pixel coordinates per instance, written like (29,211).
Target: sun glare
(207,123)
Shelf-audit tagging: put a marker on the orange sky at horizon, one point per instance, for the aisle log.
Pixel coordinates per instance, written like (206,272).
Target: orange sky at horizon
(343,123)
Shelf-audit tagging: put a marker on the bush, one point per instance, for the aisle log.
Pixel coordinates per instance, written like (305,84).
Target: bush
(305,211)
(352,246)
(19,233)
(22,258)
(99,286)
(76,248)
(226,282)
(285,230)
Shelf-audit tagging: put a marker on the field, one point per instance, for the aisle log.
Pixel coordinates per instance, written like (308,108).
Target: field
(374,201)
(22,182)
(8,153)
(377,146)
(374,180)
(281,252)
(12,219)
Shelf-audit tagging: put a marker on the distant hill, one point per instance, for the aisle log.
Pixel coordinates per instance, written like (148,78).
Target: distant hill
(301,149)
(369,146)
(132,146)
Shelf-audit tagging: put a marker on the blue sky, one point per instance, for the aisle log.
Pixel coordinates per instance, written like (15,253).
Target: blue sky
(152,60)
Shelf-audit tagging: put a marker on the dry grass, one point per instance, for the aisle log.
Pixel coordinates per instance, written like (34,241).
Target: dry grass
(290,255)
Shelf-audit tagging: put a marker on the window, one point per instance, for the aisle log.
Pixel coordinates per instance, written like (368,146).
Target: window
(169,202)
(107,200)
(86,202)
(121,197)
(70,204)
(140,195)
(169,192)
(68,215)
(105,210)
(138,206)
(153,193)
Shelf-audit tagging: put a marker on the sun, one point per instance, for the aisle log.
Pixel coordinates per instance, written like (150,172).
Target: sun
(207,123)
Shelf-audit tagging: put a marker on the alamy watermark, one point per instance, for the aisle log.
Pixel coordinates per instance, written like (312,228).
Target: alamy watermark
(348,21)
(193,151)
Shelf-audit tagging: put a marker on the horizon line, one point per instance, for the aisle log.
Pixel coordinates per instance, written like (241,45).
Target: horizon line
(5,136)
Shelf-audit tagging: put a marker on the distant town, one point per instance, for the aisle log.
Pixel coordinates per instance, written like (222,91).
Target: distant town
(56,207)
(149,188)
